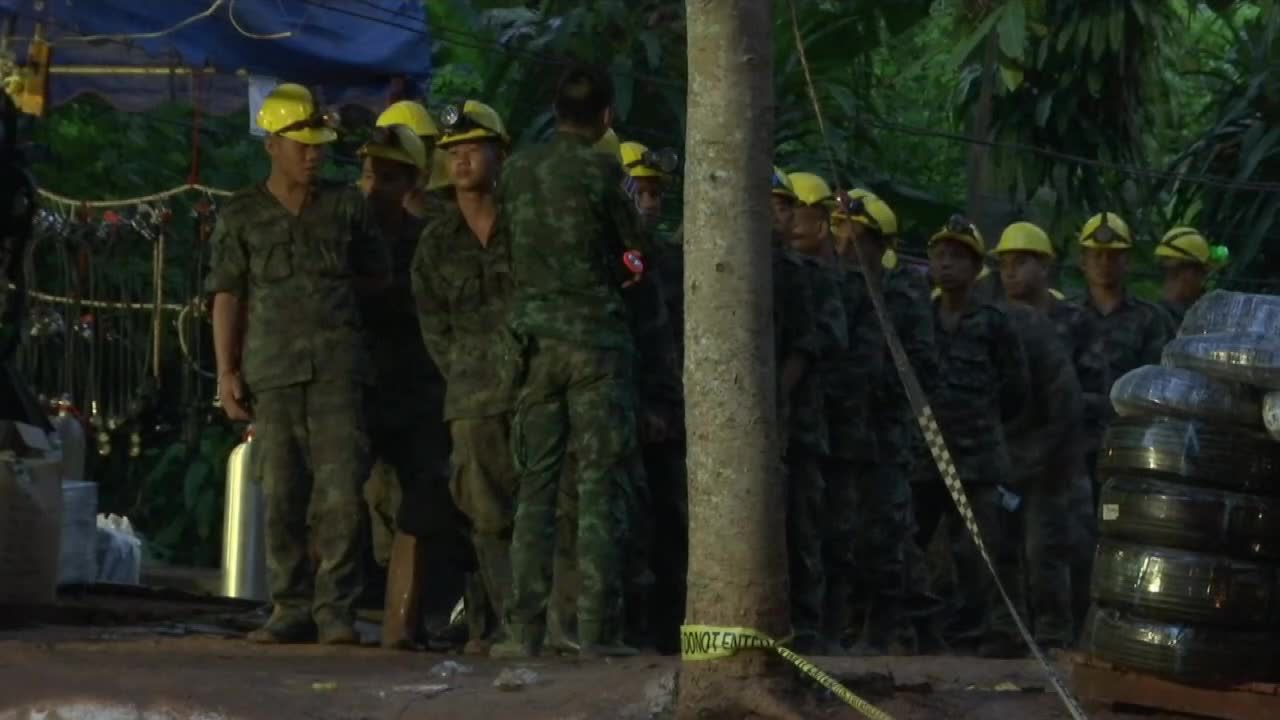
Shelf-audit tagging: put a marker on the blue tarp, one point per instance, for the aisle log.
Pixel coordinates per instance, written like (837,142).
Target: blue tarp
(353,51)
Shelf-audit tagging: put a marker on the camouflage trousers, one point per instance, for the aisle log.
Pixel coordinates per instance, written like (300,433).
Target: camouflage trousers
(635,537)
(315,454)
(483,486)
(839,531)
(582,396)
(1082,502)
(1047,527)
(669,558)
(884,533)
(979,611)
(805,525)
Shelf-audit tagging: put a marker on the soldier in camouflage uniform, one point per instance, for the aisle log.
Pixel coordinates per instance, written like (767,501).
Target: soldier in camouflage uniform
(406,436)
(288,258)
(1133,333)
(846,375)
(571,225)
(462,283)
(1026,257)
(865,227)
(983,382)
(655,604)
(802,415)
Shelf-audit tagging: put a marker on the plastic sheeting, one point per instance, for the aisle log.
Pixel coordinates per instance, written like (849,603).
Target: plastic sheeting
(1222,456)
(1174,515)
(1184,586)
(1222,311)
(356,52)
(1238,357)
(1181,652)
(1157,390)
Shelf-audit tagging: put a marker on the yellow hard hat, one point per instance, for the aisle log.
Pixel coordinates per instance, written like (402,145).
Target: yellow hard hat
(866,208)
(1186,244)
(639,161)
(780,184)
(609,144)
(811,190)
(291,112)
(439,177)
(1108,231)
(962,230)
(1024,237)
(396,142)
(472,121)
(413,114)
(889,260)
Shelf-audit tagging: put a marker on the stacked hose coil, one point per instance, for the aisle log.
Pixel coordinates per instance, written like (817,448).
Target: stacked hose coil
(1186,578)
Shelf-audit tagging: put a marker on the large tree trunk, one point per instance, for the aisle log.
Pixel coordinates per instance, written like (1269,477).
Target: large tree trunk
(737,561)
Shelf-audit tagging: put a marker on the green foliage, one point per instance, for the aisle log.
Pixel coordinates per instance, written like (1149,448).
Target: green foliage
(1243,145)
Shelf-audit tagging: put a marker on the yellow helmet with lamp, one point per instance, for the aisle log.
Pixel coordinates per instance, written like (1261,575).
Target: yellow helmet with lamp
(1106,231)
(1184,244)
(412,114)
(867,209)
(640,162)
(811,190)
(290,111)
(471,121)
(1024,237)
(962,230)
(398,143)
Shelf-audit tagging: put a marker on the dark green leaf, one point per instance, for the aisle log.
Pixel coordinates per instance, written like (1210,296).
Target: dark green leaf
(652,48)
(1098,43)
(1013,29)
(1257,152)
(966,46)
(1043,107)
(206,512)
(1117,29)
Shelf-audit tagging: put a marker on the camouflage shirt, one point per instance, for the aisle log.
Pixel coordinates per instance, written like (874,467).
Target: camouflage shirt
(808,415)
(850,375)
(463,292)
(657,369)
(906,299)
(569,221)
(982,384)
(295,273)
(1133,335)
(409,386)
(1077,330)
(1049,423)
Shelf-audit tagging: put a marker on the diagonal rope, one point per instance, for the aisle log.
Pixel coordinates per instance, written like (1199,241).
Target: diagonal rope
(920,403)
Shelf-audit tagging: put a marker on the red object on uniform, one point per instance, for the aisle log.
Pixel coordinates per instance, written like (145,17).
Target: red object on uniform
(112,217)
(634,261)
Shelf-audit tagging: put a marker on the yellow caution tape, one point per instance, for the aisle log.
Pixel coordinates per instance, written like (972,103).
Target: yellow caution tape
(709,642)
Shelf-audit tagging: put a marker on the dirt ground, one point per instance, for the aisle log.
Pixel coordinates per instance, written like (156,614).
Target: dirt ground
(139,657)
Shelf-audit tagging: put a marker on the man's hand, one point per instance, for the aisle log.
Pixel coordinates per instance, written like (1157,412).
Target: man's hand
(232,397)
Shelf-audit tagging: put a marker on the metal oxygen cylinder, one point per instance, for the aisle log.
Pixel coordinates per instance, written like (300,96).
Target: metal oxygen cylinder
(244,549)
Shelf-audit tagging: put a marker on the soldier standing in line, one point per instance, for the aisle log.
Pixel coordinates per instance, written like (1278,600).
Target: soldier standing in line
(406,436)
(289,257)
(847,376)
(983,382)
(574,243)
(1186,258)
(462,283)
(655,606)
(1044,442)
(803,416)
(866,227)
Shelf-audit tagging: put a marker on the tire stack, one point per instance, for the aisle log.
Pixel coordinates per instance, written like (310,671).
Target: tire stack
(1186,580)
